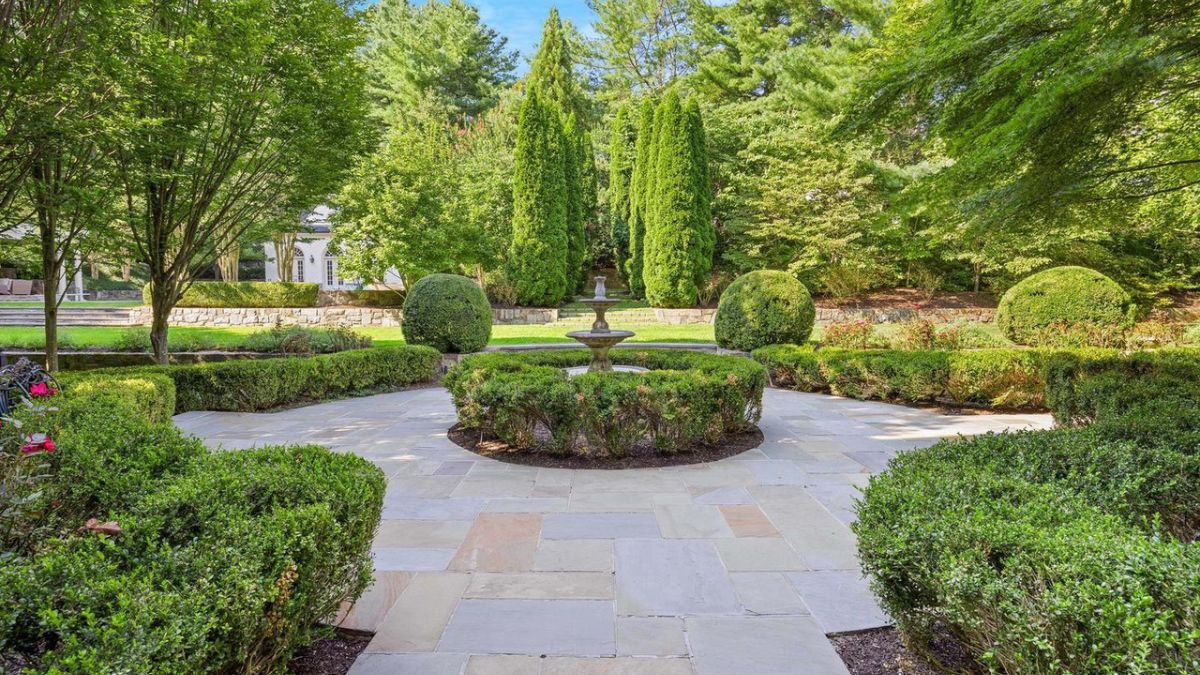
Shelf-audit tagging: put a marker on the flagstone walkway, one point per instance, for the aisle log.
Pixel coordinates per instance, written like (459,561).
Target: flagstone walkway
(737,567)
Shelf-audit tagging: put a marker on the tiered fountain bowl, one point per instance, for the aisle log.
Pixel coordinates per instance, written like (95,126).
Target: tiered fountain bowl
(600,338)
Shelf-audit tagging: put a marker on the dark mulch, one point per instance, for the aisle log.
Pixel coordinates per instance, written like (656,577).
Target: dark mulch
(643,455)
(329,656)
(882,652)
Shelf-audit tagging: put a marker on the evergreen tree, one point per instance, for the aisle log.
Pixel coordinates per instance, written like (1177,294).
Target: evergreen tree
(621,151)
(573,176)
(552,71)
(675,238)
(703,218)
(639,182)
(538,255)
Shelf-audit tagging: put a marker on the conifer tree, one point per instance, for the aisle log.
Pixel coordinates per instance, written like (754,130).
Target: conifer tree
(675,239)
(552,71)
(621,152)
(639,182)
(573,178)
(703,218)
(537,263)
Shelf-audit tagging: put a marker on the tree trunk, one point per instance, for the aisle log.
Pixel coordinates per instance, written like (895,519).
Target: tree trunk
(50,291)
(160,310)
(227,263)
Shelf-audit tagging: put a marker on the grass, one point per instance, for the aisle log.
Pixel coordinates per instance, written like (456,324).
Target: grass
(86,304)
(109,337)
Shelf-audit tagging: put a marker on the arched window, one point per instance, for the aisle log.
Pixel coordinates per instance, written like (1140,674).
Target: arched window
(298,275)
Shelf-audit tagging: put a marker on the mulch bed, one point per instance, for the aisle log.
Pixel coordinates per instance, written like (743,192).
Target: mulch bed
(329,656)
(897,298)
(881,651)
(643,455)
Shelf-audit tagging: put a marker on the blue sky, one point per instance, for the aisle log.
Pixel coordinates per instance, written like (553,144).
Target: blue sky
(521,20)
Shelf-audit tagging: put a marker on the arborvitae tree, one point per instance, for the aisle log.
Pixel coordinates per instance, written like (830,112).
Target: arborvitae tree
(573,176)
(537,265)
(703,219)
(552,71)
(591,201)
(675,237)
(640,179)
(621,151)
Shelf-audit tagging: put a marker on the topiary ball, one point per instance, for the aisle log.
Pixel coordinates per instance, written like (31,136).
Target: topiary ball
(449,313)
(764,308)
(1065,306)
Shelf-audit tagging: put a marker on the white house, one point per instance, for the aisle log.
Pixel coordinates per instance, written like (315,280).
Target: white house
(313,261)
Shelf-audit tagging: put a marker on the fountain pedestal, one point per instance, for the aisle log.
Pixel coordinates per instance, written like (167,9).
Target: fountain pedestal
(600,338)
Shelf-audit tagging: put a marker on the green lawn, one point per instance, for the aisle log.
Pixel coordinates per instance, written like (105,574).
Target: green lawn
(223,338)
(88,304)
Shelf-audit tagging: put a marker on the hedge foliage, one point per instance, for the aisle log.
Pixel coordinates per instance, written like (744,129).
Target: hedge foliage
(764,308)
(367,297)
(246,294)
(1066,307)
(261,384)
(992,378)
(225,562)
(1064,551)
(686,398)
(448,312)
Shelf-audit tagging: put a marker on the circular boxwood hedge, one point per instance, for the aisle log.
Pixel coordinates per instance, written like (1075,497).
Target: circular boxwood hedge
(764,308)
(528,401)
(449,313)
(1065,306)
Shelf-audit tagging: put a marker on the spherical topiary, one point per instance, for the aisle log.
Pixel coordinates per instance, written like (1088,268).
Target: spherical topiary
(449,313)
(1065,306)
(764,308)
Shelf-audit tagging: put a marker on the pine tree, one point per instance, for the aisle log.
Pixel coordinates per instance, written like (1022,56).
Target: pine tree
(639,195)
(621,151)
(552,71)
(707,235)
(576,233)
(675,239)
(538,256)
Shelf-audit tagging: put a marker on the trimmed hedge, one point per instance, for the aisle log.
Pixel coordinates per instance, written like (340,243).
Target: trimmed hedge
(226,562)
(1065,551)
(1066,307)
(261,384)
(686,398)
(246,294)
(367,297)
(448,312)
(991,378)
(764,308)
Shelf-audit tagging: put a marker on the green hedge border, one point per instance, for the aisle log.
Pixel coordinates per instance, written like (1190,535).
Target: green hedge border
(687,397)
(226,561)
(247,294)
(250,385)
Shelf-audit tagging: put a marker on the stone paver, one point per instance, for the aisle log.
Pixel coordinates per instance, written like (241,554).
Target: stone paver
(738,566)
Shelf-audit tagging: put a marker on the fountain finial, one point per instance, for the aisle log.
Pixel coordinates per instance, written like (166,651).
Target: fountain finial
(601,291)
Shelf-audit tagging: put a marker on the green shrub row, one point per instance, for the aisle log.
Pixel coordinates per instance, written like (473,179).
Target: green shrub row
(368,297)
(1064,551)
(246,294)
(261,384)
(686,398)
(225,562)
(994,378)
(303,340)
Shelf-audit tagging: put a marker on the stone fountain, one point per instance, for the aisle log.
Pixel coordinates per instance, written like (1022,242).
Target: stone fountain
(601,338)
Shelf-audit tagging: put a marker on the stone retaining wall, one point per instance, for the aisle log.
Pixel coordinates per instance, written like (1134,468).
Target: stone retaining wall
(317,316)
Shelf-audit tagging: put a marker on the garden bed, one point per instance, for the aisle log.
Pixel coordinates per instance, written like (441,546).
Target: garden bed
(333,655)
(641,456)
(881,651)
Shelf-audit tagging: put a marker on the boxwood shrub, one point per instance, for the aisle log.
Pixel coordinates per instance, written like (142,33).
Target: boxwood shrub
(1072,550)
(686,398)
(448,312)
(225,562)
(1066,307)
(261,384)
(990,378)
(762,308)
(246,294)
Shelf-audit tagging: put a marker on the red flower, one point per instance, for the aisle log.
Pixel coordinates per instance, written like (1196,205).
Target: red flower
(42,390)
(32,446)
(48,445)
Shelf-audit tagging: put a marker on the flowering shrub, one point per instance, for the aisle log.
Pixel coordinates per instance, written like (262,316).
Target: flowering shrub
(855,334)
(25,466)
(924,334)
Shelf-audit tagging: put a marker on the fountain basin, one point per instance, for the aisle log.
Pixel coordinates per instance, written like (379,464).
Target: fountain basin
(600,342)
